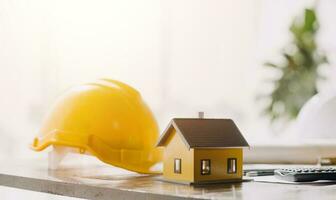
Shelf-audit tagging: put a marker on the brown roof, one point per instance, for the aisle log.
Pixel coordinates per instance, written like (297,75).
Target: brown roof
(197,132)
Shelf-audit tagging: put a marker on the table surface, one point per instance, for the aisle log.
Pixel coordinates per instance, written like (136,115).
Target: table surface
(105,182)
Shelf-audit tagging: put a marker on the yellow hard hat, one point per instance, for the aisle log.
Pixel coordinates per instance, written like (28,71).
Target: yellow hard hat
(109,120)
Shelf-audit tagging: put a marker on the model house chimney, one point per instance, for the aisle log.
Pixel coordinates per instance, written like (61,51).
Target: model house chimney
(201,115)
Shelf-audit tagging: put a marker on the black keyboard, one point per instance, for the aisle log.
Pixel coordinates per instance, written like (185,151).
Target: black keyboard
(306,174)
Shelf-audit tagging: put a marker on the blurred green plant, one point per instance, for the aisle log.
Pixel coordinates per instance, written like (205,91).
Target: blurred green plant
(298,71)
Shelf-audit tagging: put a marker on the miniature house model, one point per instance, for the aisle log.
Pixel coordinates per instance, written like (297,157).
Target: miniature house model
(198,150)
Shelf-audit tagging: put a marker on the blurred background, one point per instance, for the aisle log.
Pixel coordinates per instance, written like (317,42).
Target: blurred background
(184,56)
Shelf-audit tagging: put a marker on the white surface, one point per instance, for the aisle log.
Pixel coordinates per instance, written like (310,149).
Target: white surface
(290,151)
(273,179)
(317,119)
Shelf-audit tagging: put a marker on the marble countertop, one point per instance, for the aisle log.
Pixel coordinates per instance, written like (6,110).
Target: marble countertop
(105,182)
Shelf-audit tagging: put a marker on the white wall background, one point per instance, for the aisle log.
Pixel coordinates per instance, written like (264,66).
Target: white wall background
(182,55)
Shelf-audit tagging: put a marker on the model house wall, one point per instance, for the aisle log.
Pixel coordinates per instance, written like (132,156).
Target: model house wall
(219,165)
(176,149)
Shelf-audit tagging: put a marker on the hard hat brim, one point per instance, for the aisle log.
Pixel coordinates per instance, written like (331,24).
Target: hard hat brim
(137,160)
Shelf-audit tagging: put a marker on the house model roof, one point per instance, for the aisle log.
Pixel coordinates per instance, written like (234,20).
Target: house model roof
(199,132)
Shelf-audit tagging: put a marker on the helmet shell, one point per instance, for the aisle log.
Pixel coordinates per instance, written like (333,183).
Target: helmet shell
(108,119)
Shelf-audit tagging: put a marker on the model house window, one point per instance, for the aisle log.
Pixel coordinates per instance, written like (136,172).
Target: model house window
(177,166)
(232,166)
(205,167)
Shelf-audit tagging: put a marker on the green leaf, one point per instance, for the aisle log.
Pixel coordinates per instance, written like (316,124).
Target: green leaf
(268,64)
(310,19)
